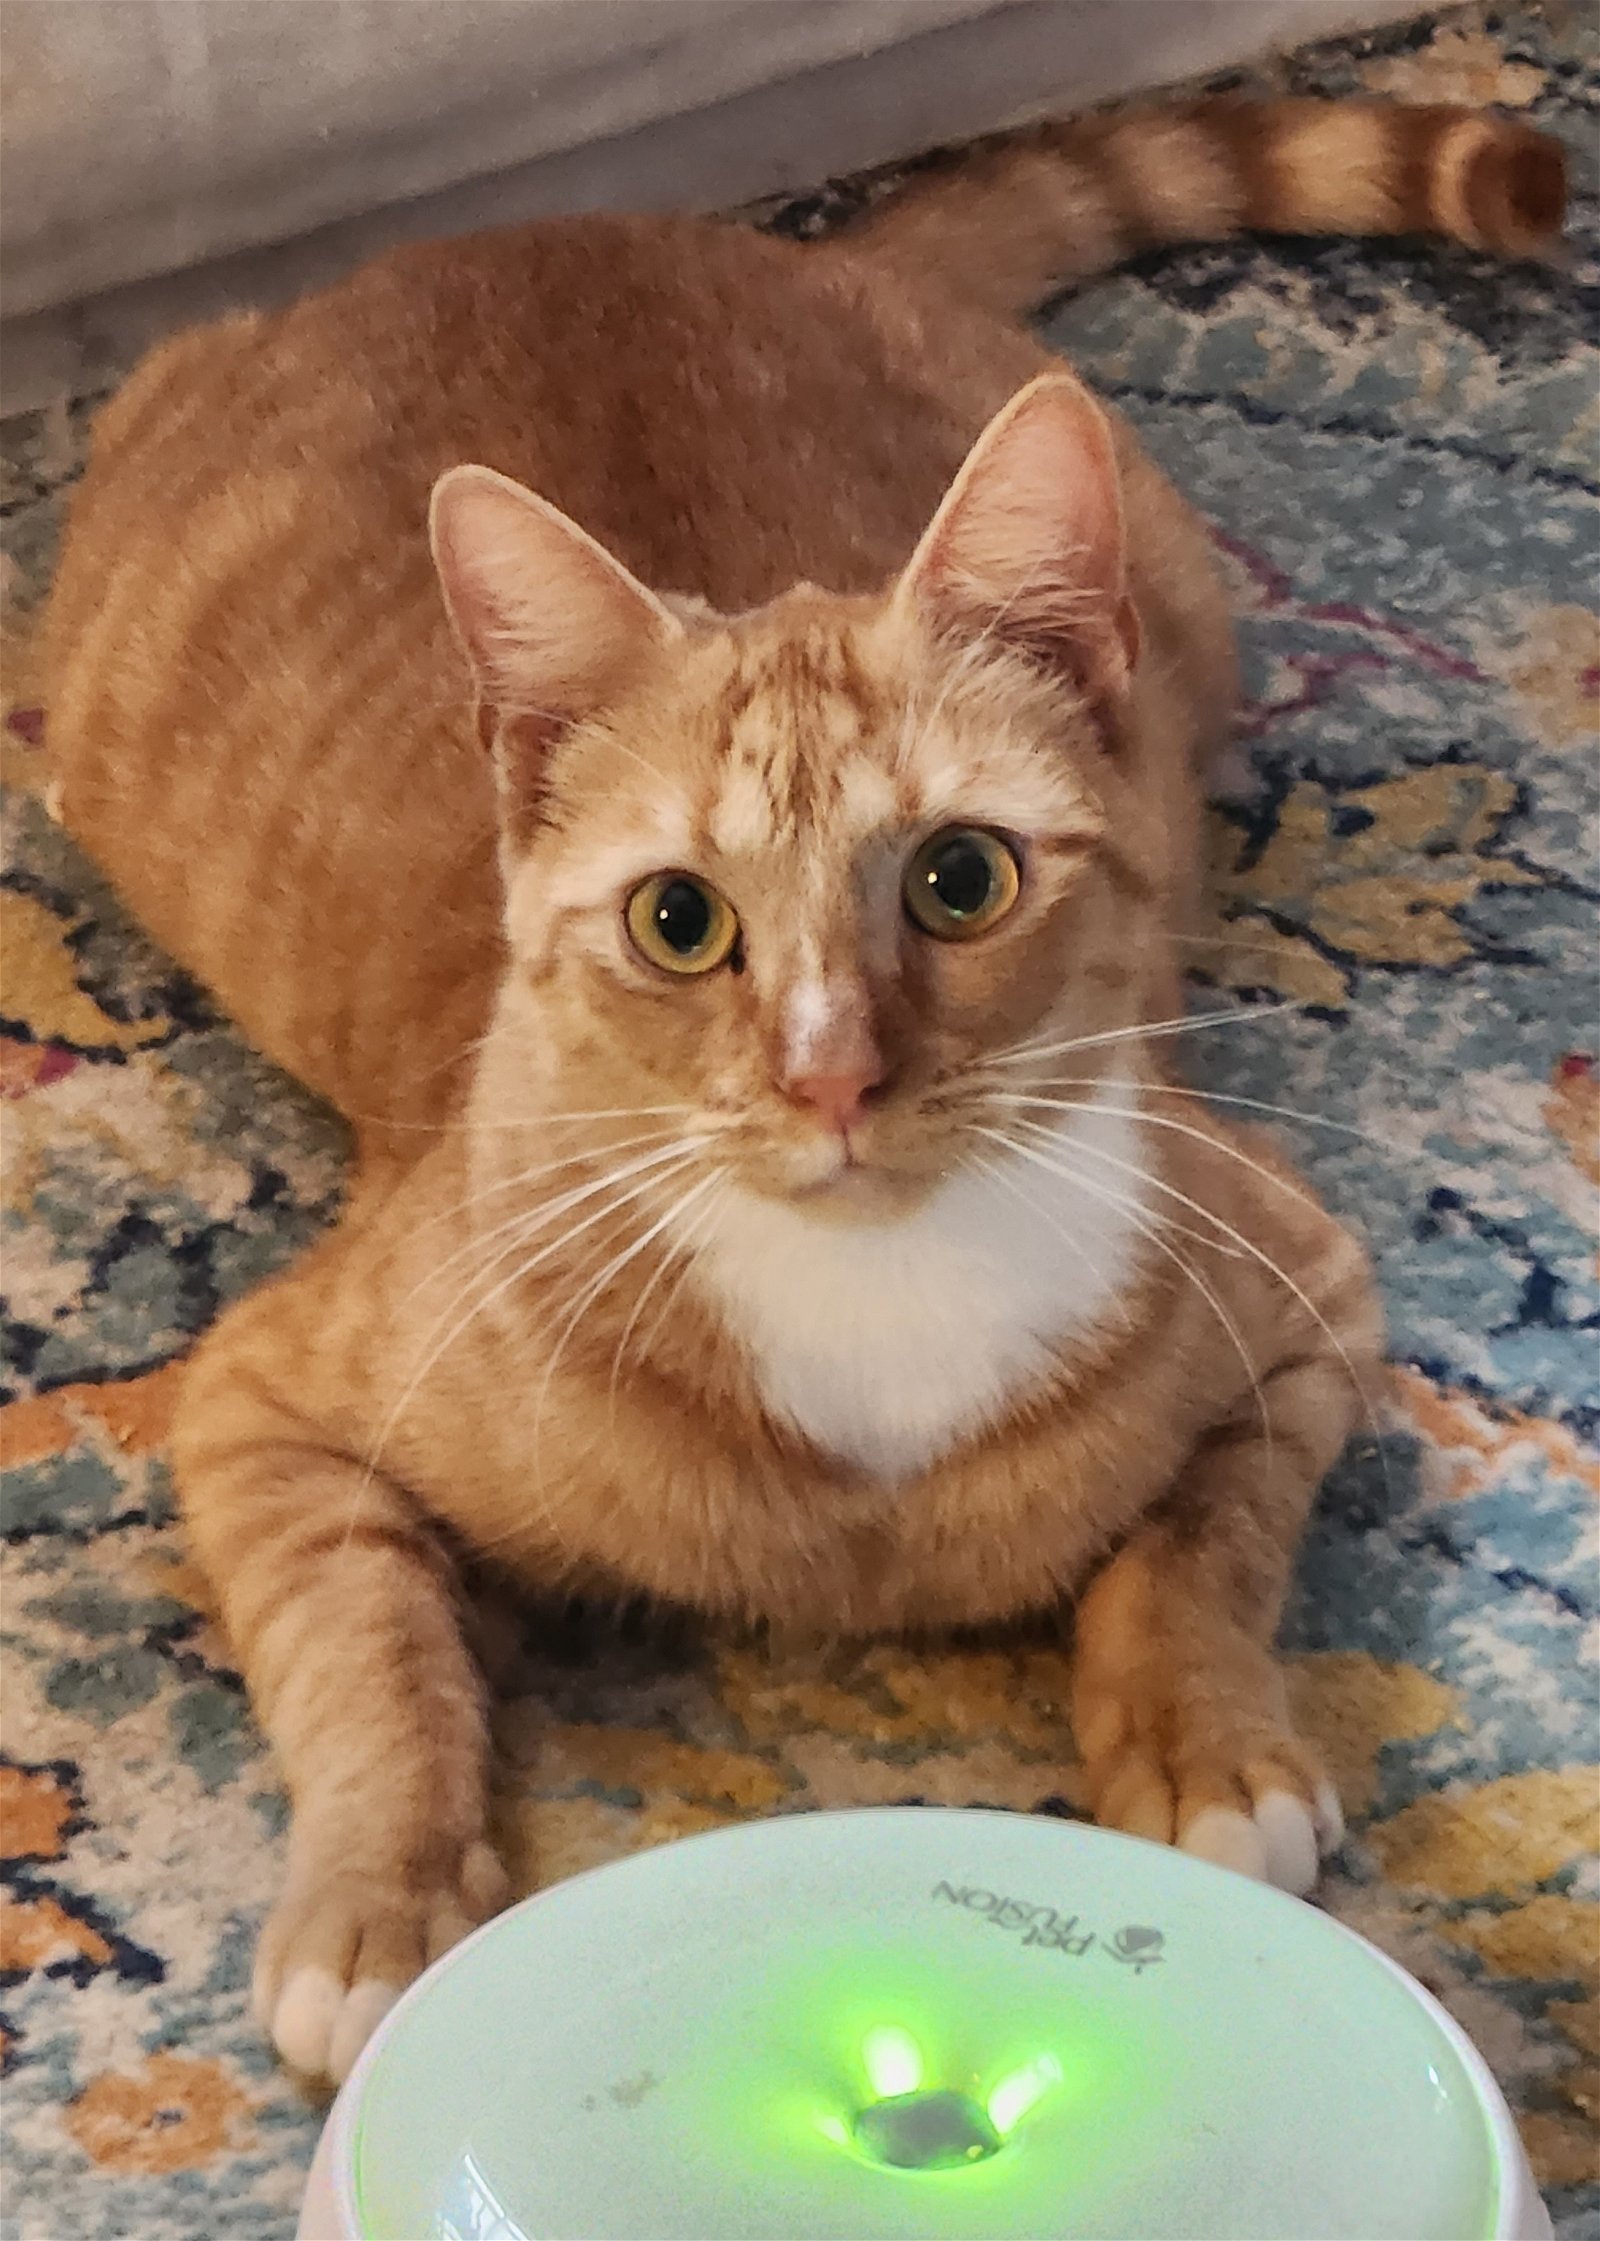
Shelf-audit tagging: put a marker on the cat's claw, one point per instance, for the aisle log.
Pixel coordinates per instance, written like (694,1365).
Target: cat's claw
(341,1947)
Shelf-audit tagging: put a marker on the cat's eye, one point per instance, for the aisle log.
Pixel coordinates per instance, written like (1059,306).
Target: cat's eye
(679,923)
(961,882)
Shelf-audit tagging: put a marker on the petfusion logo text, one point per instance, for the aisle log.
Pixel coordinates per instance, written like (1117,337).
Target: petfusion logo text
(1136,1945)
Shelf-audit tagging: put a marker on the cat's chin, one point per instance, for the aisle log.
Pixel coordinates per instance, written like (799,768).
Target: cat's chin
(859,1193)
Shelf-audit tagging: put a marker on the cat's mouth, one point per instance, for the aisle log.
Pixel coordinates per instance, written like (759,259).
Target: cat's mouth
(846,1179)
(880,1170)
(860,1194)
(851,1180)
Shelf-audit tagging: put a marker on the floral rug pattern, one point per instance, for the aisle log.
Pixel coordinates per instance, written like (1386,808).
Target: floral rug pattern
(1398,447)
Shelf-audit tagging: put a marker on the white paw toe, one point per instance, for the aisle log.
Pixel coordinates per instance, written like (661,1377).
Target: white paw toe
(365,2006)
(320,2024)
(1289,1839)
(1228,1839)
(303,2018)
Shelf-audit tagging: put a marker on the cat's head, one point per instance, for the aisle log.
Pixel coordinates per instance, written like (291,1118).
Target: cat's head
(816,878)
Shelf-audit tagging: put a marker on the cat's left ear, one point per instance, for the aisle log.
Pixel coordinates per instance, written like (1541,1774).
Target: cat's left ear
(1028,547)
(551,625)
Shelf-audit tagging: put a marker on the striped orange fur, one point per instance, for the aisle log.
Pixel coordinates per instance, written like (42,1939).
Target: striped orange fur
(1042,209)
(878,1276)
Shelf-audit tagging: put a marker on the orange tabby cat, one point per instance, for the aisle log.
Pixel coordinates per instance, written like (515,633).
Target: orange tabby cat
(755,1020)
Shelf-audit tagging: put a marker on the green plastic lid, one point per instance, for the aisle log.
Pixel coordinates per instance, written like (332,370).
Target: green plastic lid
(911,2022)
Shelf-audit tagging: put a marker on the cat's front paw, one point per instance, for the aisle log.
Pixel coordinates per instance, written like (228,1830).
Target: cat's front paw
(1230,1782)
(343,1943)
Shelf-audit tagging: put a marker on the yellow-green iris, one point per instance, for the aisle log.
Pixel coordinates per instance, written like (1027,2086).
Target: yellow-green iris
(961,882)
(679,923)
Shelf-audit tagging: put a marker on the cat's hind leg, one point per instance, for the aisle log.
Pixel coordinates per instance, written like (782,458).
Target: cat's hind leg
(343,1611)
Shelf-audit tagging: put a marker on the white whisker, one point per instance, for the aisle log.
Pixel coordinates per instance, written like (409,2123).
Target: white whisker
(682,1250)
(653,1170)
(1159,1120)
(568,1120)
(1190,1023)
(1247,1245)
(527,1175)
(1148,1228)
(997,1174)
(526,1219)
(1212,1097)
(478,1127)
(1167,1221)
(718,1178)
(607,1276)
(683,1154)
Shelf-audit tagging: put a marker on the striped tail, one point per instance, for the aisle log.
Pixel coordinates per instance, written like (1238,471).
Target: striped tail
(1036,211)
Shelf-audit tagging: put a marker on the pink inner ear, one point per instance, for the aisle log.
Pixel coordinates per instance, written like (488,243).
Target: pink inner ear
(1028,545)
(550,623)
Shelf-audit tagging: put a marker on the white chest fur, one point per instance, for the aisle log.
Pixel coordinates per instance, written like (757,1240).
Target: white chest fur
(886,1343)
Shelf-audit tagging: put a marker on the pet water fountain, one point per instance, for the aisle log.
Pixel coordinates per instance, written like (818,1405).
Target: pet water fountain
(884,2024)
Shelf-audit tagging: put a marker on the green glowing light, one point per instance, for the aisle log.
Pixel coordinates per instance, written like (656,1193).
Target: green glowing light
(892,2060)
(835,2129)
(1019,2090)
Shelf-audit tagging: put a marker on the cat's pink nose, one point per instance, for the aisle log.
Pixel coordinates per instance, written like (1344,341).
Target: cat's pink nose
(836,1099)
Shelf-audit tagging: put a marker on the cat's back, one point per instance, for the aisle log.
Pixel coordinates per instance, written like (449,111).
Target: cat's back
(258,718)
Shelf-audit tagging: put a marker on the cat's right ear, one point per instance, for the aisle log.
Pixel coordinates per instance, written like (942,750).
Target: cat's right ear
(552,627)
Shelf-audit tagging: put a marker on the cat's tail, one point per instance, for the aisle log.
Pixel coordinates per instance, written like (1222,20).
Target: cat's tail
(1035,211)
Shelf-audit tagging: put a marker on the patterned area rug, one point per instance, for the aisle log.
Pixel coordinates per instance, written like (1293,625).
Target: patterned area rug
(1397,446)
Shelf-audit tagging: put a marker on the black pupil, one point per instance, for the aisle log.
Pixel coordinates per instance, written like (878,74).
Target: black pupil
(961,876)
(683,916)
